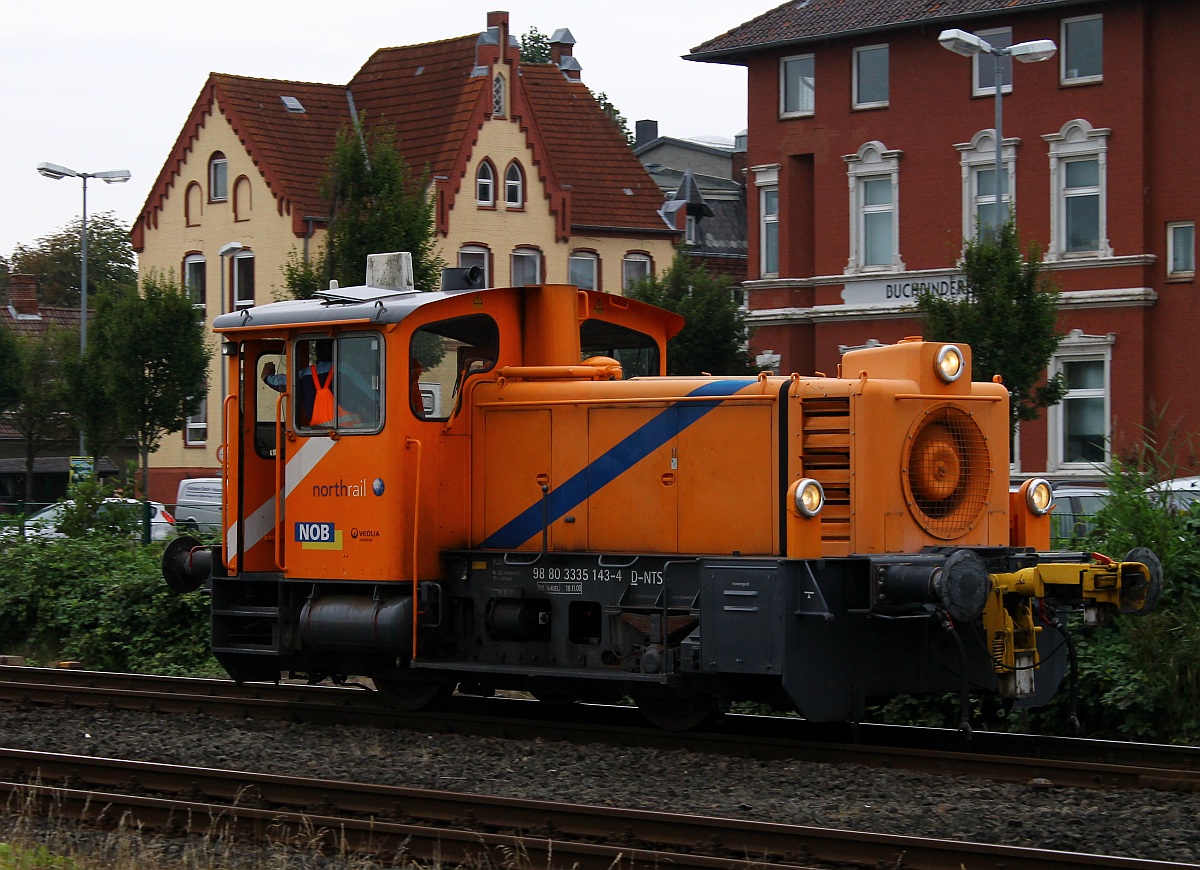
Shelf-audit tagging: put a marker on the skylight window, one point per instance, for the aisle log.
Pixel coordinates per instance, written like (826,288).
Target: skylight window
(293,105)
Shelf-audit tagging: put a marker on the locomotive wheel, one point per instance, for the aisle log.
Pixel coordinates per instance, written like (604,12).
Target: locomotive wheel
(679,713)
(409,696)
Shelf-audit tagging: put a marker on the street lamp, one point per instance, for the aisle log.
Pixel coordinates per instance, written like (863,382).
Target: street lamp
(969,45)
(226,251)
(112,176)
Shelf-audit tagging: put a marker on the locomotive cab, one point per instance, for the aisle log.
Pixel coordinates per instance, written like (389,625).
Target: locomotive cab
(498,489)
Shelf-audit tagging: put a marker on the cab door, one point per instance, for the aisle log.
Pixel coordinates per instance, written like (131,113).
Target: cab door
(255,421)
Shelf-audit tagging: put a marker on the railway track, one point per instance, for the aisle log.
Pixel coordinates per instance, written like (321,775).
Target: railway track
(453,828)
(1001,757)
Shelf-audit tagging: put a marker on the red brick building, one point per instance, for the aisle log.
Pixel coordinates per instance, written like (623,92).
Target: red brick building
(871,153)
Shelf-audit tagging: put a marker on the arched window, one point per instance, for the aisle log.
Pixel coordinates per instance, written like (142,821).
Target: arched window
(218,178)
(583,270)
(485,184)
(634,267)
(498,96)
(514,186)
(526,267)
(193,204)
(476,255)
(241,199)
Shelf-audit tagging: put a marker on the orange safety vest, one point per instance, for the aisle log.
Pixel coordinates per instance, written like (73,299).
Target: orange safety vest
(323,410)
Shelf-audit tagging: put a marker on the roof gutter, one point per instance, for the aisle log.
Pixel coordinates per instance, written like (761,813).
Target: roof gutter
(739,55)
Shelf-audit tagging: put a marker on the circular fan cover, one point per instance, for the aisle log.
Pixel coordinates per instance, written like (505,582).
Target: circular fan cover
(947,472)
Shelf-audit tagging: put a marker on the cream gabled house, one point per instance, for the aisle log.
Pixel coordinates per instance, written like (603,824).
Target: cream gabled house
(531,180)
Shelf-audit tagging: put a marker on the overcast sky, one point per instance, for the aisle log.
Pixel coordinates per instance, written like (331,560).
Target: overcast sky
(107,85)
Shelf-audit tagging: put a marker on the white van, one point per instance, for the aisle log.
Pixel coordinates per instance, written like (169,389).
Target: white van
(198,505)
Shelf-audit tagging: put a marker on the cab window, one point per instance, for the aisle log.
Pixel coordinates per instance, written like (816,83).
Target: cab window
(271,378)
(636,351)
(442,356)
(337,383)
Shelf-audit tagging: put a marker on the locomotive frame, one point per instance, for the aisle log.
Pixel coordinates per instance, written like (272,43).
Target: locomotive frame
(497,504)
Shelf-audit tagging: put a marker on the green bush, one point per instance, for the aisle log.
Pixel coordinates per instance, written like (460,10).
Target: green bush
(33,858)
(99,599)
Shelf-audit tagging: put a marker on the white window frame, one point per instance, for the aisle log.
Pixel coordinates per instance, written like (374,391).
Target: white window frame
(871,104)
(589,262)
(485,180)
(803,109)
(872,161)
(236,284)
(189,262)
(1173,245)
(514,186)
(218,178)
(1065,76)
(1077,140)
(644,268)
(526,254)
(1078,347)
(476,255)
(766,179)
(978,62)
(980,155)
(195,430)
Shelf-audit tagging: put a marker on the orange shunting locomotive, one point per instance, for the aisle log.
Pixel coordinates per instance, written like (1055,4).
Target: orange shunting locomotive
(497,488)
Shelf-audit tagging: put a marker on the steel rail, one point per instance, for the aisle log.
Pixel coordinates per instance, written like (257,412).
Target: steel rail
(430,824)
(1047,762)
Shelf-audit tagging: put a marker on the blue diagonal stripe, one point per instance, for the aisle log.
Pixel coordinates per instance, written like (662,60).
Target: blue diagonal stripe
(612,464)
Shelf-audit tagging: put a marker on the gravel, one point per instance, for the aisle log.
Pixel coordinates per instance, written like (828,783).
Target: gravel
(1138,824)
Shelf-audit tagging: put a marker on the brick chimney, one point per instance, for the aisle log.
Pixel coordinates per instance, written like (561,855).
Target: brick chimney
(22,296)
(562,48)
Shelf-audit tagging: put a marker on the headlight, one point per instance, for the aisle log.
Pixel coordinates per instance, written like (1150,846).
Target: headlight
(810,497)
(1039,497)
(949,363)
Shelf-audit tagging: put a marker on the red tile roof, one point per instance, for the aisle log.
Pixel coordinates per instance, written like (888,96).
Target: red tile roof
(428,93)
(608,185)
(819,19)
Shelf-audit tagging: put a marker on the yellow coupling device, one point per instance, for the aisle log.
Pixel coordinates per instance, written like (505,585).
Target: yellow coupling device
(1099,587)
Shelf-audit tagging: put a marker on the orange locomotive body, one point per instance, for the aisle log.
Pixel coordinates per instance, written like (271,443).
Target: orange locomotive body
(507,493)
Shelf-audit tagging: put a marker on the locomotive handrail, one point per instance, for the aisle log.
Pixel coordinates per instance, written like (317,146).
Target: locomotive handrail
(311,324)
(226,491)
(940,397)
(409,442)
(582,372)
(644,400)
(279,469)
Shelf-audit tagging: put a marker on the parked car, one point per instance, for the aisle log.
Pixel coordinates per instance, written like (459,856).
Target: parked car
(1074,516)
(198,504)
(1178,493)
(44,524)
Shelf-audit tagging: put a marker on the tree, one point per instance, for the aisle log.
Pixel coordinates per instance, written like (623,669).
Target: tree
(376,205)
(92,386)
(54,260)
(713,339)
(1008,317)
(535,47)
(10,379)
(39,403)
(152,359)
(616,116)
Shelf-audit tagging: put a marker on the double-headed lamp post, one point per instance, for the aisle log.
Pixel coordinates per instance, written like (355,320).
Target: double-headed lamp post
(969,45)
(112,176)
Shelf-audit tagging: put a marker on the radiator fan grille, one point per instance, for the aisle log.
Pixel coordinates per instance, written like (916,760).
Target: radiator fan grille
(947,472)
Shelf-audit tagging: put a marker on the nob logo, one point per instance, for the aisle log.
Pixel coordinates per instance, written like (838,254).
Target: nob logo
(318,536)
